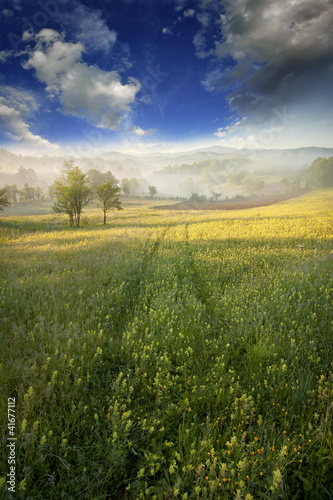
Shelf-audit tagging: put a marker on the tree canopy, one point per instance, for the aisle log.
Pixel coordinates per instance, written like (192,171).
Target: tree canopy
(152,191)
(108,194)
(72,194)
(4,201)
(320,173)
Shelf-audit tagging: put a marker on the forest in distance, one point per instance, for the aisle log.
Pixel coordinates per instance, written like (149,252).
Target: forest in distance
(221,179)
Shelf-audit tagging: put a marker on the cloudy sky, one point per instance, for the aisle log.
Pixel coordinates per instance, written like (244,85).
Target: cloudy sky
(86,76)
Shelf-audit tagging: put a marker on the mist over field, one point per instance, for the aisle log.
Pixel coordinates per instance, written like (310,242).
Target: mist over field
(201,171)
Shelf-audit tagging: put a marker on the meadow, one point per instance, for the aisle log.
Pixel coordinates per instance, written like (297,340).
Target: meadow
(170,354)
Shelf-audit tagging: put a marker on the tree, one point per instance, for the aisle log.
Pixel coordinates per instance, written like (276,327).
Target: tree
(72,195)
(238,177)
(39,193)
(50,192)
(131,186)
(152,191)
(320,173)
(12,192)
(108,195)
(197,197)
(4,201)
(125,186)
(27,193)
(96,177)
(253,184)
(27,175)
(215,196)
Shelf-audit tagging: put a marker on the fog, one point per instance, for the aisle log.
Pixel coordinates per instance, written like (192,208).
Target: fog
(225,171)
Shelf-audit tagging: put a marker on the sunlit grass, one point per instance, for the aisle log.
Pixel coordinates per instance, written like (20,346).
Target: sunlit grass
(170,354)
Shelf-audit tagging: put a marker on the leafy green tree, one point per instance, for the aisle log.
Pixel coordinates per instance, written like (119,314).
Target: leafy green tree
(27,193)
(125,186)
(131,186)
(72,194)
(12,192)
(27,175)
(134,185)
(39,193)
(50,192)
(253,184)
(96,177)
(108,194)
(320,173)
(4,201)
(152,191)
(238,177)
(197,197)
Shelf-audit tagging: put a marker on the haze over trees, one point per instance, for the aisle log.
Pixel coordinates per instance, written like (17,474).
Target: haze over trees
(4,201)
(152,191)
(229,177)
(132,186)
(320,173)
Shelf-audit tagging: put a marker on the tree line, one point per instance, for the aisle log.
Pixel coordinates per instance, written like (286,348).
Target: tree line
(318,175)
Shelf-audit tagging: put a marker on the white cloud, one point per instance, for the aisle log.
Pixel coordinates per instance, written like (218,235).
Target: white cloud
(180,5)
(5,55)
(200,44)
(91,28)
(140,132)
(16,107)
(204,19)
(167,31)
(284,128)
(84,90)
(53,58)
(189,13)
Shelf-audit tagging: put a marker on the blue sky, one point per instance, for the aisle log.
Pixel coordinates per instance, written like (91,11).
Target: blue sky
(165,75)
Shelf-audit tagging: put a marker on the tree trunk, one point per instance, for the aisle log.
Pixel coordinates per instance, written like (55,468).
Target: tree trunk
(104,216)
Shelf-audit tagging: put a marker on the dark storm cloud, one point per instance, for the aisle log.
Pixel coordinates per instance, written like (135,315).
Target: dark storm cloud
(282,51)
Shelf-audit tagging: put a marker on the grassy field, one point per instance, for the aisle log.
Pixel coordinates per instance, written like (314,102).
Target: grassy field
(45,207)
(169,354)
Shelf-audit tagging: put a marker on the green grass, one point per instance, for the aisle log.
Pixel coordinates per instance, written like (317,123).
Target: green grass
(38,208)
(170,354)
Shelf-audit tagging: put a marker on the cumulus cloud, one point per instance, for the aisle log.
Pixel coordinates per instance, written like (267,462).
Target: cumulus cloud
(84,90)
(16,109)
